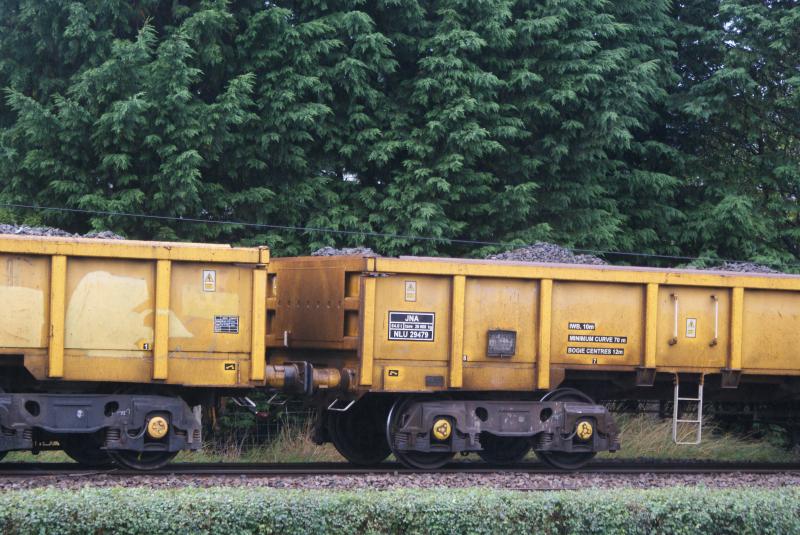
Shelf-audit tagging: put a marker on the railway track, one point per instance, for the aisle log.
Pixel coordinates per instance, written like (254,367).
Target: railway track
(12,470)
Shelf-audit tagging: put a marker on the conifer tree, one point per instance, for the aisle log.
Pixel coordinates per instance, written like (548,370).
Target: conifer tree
(737,121)
(617,125)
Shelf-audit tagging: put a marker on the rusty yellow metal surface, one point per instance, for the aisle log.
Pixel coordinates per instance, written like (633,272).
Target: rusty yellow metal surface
(141,250)
(58,277)
(545,329)
(500,304)
(108,310)
(197,308)
(737,324)
(563,317)
(651,326)
(693,317)
(578,338)
(109,304)
(314,302)
(368,332)
(25,298)
(162,311)
(433,296)
(523,270)
(457,331)
(771,330)
(259,324)
(412,377)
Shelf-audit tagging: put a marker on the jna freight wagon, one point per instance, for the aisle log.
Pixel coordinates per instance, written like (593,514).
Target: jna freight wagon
(108,348)
(447,356)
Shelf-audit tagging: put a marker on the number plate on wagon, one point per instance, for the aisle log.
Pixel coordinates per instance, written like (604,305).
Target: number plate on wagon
(412,326)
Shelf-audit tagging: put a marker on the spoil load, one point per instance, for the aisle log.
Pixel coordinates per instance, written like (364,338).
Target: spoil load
(547,252)
(347,251)
(25,230)
(744,267)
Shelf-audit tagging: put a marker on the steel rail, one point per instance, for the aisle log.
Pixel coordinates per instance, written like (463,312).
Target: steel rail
(11,469)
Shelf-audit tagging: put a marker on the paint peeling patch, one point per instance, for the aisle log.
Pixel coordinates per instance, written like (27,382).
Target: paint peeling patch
(106,312)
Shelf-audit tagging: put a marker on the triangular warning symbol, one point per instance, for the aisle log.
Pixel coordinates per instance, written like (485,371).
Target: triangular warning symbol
(209,278)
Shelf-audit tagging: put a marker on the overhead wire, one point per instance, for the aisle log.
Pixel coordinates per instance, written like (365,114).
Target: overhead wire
(322,230)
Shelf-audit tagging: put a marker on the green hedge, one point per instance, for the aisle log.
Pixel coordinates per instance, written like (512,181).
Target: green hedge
(431,512)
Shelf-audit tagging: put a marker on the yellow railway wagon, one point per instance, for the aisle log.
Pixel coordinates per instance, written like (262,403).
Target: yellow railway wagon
(103,318)
(443,356)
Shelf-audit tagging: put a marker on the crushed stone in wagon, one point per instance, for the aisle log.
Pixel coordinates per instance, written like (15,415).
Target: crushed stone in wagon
(547,252)
(743,267)
(25,230)
(346,251)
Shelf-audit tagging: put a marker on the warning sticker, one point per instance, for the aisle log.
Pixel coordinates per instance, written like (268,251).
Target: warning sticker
(608,351)
(411,290)
(412,326)
(691,328)
(226,324)
(209,280)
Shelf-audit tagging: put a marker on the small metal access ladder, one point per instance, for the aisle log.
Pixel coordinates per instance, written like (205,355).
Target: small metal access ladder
(676,413)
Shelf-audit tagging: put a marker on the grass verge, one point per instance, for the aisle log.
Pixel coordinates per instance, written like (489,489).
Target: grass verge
(647,437)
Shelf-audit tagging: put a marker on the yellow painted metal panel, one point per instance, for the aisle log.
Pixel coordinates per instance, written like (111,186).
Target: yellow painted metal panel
(412,377)
(494,376)
(500,304)
(457,332)
(771,330)
(259,321)
(25,300)
(737,324)
(207,302)
(108,366)
(597,324)
(143,250)
(191,369)
(545,325)
(701,313)
(651,326)
(210,369)
(433,296)
(504,269)
(367,332)
(162,309)
(110,304)
(58,278)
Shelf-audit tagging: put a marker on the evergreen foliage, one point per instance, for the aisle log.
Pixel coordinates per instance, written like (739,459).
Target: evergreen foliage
(637,125)
(737,121)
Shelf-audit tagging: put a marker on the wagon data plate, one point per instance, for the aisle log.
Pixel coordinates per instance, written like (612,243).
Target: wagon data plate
(412,326)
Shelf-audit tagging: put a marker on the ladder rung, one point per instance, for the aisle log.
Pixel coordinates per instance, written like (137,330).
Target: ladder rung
(689,399)
(688,421)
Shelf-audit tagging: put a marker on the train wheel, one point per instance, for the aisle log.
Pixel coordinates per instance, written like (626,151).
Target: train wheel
(423,460)
(86,451)
(503,450)
(142,460)
(358,434)
(561,459)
